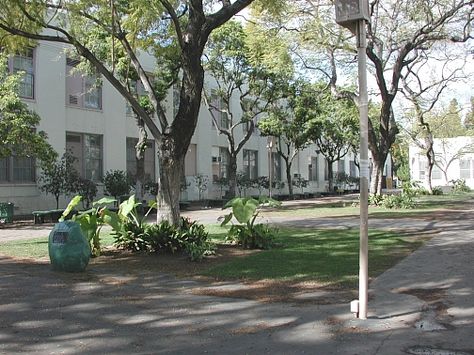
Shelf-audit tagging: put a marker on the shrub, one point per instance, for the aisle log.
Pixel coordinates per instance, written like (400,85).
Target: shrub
(261,236)
(117,183)
(132,237)
(375,200)
(88,190)
(190,238)
(248,234)
(59,177)
(459,185)
(92,220)
(437,191)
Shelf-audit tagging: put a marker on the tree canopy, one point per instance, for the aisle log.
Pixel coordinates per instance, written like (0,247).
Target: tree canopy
(111,37)
(18,124)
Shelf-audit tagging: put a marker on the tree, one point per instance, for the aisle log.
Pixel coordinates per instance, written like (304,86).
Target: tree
(334,128)
(18,124)
(229,61)
(449,151)
(59,177)
(469,119)
(287,121)
(110,35)
(399,32)
(117,184)
(424,92)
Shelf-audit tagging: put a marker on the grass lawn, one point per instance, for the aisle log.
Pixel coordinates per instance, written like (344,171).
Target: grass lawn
(38,247)
(424,205)
(329,256)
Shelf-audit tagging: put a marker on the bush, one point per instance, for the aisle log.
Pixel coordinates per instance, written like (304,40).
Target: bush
(437,191)
(375,200)
(248,234)
(88,190)
(190,238)
(117,183)
(132,237)
(261,236)
(459,185)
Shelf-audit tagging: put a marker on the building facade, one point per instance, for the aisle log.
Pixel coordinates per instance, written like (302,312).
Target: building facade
(454,160)
(97,126)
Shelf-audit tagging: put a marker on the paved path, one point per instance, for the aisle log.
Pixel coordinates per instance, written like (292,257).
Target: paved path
(423,305)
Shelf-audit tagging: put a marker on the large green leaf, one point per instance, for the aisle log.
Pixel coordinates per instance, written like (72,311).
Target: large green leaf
(104,201)
(227,219)
(72,204)
(112,219)
(244,209)
(127,206)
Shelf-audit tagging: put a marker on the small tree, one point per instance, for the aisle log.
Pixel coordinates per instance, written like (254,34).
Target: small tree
(243,183)
(262,183)
(201,184)
(300,183)
(117,183)
(87,189)
(59,177)
(222,183)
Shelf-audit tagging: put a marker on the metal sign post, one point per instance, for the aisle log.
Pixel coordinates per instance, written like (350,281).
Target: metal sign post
(353,15)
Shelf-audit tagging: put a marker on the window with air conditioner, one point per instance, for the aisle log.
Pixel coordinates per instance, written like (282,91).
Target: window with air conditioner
(82,90)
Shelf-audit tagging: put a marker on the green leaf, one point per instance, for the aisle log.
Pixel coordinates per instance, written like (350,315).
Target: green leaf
(72,204)
(104,201)
(227,219)
(127,206)
(112,219)
(244,209)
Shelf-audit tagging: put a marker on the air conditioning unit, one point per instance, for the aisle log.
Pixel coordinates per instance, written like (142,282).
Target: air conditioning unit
(73,100)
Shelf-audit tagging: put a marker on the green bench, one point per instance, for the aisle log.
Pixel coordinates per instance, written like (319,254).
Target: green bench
(53,215)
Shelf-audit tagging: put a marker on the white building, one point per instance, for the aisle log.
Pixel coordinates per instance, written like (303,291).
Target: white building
(454,160)
(95,123)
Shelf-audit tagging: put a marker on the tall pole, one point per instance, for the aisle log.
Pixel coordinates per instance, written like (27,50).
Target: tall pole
(270,166)
(364,170)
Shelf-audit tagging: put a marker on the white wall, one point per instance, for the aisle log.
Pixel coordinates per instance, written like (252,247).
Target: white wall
(114,125)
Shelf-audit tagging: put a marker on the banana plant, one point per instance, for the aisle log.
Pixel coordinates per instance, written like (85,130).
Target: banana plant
(245,210)
(92,220)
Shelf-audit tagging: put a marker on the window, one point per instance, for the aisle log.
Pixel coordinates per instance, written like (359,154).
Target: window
(217,108)
(465,169)
(87,149)
(313,174)
(340,166)
(138,90)
(220,163)
(190,168)
(149,159)
(421,169)
(24,62)
(82,90)
(436,173)
(250,163)
(276,173)
(352,169)
(17,169)
(326,170)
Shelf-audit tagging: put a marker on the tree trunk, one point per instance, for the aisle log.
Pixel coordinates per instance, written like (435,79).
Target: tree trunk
(289,179)
(232,175)
(169,188)
(140,159)
(428,178)
(330,176)
(376,178)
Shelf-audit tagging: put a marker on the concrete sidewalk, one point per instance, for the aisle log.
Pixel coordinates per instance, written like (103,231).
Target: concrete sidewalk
(423,305)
